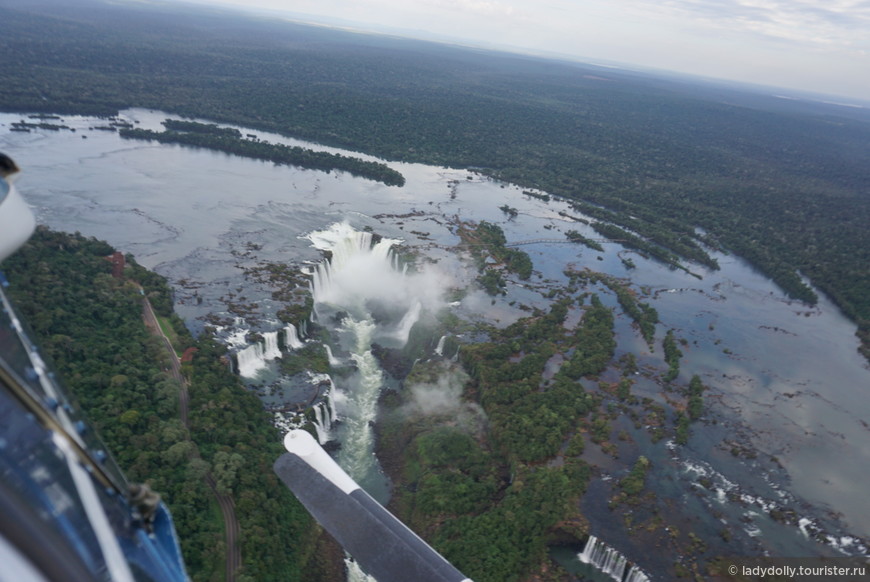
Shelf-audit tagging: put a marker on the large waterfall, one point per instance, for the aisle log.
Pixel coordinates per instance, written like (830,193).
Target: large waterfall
(610,562)
(357,270)
(366,297)
(362,288)
(362,296)
(363,278)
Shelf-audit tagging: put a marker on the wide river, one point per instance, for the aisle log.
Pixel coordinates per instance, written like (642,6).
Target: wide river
(784,378)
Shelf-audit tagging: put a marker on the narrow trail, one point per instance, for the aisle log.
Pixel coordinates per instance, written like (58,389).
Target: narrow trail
(227,506)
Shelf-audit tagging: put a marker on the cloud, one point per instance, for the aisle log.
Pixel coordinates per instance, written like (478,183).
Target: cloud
(442,397)
(474,7)
(828,23)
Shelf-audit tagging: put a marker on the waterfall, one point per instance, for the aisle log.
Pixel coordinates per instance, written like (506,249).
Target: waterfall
(253,358)
(330,401)
(322,422)
(356,454)
(270,342)
(403,330)
(348,274)
(325,414)
(609,561)
(333,361)
(363,295)
(439,349)
(292,340)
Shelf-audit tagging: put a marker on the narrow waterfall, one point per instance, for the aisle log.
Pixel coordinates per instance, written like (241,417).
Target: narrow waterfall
(330,402)
(325,415)
(322,422)
(291,337)
(271,350)
(403,330)
(333,361)
(439,349)
(610,562)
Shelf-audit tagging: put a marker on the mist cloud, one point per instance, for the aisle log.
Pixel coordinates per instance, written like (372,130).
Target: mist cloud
(443,398)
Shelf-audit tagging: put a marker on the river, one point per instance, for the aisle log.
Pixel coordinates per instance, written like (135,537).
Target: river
(783,378)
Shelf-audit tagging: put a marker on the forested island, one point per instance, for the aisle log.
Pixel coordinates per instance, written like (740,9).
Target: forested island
(229,140)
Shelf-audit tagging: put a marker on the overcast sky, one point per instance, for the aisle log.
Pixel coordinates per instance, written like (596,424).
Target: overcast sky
(815,45)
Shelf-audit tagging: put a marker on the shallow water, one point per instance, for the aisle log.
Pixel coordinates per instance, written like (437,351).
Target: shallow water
(783,377)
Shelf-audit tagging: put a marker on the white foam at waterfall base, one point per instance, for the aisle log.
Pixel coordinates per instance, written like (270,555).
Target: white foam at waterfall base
(635,574)
(355,573)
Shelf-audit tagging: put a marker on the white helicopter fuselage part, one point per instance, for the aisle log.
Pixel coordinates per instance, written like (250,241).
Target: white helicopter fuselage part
(16,219)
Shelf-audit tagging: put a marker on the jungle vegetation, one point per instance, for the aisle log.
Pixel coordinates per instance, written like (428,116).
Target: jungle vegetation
(489,502)
(645,316)
(487,244)
(494,483)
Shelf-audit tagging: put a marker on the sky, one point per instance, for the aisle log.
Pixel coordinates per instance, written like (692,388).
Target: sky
(820,46)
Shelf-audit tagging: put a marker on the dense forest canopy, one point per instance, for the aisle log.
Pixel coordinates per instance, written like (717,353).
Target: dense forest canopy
(783,183)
